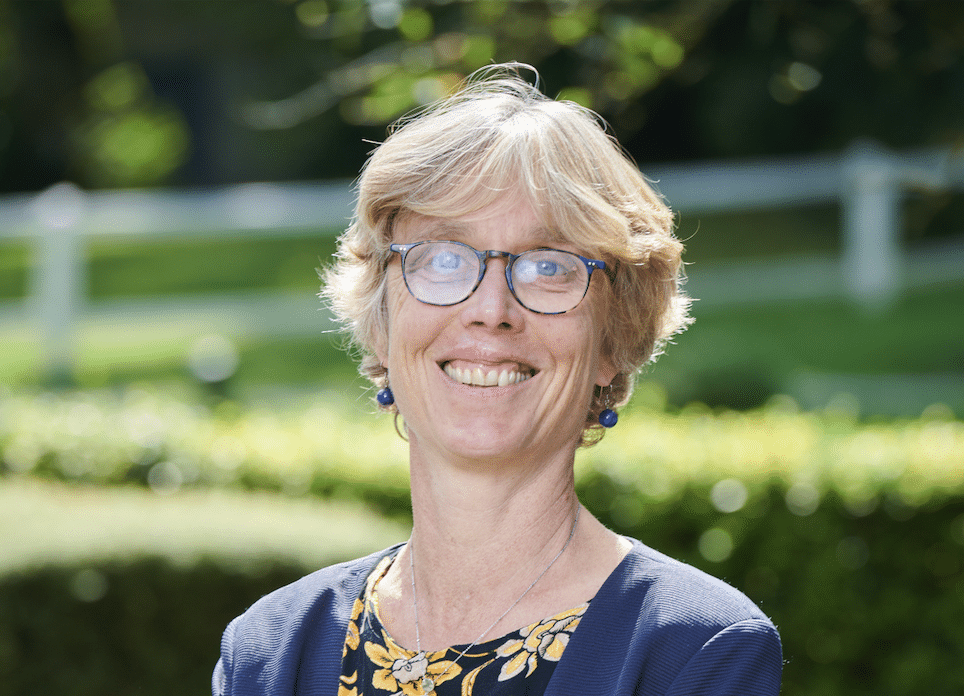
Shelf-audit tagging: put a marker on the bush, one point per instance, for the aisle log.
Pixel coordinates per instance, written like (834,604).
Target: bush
(146,627)
(850,535)
(867,601)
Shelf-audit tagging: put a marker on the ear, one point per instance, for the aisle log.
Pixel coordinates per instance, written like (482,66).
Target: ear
(606,371)
(381,351)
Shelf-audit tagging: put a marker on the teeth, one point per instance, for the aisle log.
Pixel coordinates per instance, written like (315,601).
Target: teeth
(476,377)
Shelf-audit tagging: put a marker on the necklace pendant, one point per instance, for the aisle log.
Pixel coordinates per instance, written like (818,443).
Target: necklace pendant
(428,685)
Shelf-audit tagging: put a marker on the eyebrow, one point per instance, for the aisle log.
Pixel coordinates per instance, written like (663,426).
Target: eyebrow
(440,228)
(444,229)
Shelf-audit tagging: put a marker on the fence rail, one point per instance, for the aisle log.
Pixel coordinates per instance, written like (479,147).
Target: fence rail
(866,180)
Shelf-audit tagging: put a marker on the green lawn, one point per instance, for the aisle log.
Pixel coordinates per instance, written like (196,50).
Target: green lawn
(46,523)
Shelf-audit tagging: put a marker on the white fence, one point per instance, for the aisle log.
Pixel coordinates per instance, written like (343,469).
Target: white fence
(867,181)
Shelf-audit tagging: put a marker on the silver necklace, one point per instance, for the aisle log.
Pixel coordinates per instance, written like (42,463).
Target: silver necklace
(427,683)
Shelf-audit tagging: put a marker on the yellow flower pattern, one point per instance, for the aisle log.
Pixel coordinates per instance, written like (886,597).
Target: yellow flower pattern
(346,685)
(401,671)
(544,640)
(373,664)
(351,640)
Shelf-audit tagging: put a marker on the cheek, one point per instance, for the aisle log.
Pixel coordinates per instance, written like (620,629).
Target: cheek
(395,307)
(590,351)
(412,326)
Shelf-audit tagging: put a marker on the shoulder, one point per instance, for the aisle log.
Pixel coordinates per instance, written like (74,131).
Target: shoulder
(671,591)
(279,632)
(670,628)
(331,587)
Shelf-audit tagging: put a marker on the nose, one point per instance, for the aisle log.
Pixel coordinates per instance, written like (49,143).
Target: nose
(492,304)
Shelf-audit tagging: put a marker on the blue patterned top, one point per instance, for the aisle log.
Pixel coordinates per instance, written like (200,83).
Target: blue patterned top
(521,662)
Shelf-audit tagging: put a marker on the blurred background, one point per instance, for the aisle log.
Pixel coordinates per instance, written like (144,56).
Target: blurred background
(181,430)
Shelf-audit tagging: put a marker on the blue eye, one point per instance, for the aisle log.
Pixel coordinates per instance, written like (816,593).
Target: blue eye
(446,261)
(540,266)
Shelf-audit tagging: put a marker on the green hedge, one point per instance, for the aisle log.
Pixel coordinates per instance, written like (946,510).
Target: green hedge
(146,627)
(333,446)
(850,535)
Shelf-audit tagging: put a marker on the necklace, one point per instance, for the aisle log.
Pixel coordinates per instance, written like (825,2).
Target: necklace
(427,683)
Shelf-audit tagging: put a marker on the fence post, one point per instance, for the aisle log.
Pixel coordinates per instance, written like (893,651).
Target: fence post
(59,278)
(870,197)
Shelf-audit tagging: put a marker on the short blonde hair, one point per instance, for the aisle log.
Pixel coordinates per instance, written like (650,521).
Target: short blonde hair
(498,134)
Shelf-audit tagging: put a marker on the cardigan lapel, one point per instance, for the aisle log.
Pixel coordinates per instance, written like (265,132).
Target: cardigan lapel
(596,656)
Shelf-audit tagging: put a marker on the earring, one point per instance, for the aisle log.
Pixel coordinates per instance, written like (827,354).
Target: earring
(384,396)
(607,417)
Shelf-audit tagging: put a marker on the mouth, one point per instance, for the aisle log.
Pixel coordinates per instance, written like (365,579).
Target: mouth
(489,376)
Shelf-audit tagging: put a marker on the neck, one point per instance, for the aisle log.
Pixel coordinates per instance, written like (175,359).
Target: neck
(483,534)
(486,631)
(488,510)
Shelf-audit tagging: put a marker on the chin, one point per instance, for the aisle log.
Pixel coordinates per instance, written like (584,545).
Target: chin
(481,443)
(519,441)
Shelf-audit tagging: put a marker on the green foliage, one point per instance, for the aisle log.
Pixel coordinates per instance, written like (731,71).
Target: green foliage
(14,262)
(136,435)
(740,357)
(850,535)
(152,439)
(150,628)
(869,604)
(86,96)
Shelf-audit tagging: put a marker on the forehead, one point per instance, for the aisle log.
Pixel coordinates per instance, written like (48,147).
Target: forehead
(504,224)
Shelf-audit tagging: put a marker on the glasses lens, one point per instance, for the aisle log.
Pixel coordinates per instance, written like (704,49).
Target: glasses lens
(441,273)
(549,281)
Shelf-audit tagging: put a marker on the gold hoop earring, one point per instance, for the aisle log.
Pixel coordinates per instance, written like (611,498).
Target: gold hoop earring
(397,429)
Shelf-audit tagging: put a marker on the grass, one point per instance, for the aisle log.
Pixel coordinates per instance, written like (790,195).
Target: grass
(756,234)
(182,267)
(922,332)
(53,523)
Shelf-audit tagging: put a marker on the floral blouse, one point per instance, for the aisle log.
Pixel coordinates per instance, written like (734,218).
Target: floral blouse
(519,663)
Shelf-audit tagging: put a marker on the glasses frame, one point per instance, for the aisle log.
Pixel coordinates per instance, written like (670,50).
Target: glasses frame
(484,256)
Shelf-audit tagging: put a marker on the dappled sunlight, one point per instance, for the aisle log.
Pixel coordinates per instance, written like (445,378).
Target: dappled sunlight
(58,524)
(809,453)
(168,441)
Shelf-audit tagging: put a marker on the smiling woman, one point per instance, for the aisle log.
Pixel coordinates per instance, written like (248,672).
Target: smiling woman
(507,273)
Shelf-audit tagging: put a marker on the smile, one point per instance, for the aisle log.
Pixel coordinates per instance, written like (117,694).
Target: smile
(491,378)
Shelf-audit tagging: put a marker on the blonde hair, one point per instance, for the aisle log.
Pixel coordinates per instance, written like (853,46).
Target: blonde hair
(497,134)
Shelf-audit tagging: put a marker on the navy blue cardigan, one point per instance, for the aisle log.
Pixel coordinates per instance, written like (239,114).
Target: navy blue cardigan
(656,627)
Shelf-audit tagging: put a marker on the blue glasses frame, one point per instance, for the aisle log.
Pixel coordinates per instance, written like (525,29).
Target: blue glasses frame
(484,256)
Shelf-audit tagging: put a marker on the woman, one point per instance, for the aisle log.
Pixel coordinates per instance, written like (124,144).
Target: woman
(507,273)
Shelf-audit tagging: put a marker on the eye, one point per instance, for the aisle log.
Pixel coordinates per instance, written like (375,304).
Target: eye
(441,262)
(544,267)
(446,261)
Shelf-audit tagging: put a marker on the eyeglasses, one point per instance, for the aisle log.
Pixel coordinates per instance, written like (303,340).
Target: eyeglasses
(544,281)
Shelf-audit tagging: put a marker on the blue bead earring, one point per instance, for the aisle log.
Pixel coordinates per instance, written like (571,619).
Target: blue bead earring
(385,397)
(607,417)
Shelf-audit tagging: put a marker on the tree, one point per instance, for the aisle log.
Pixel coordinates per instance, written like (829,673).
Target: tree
(130,93)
